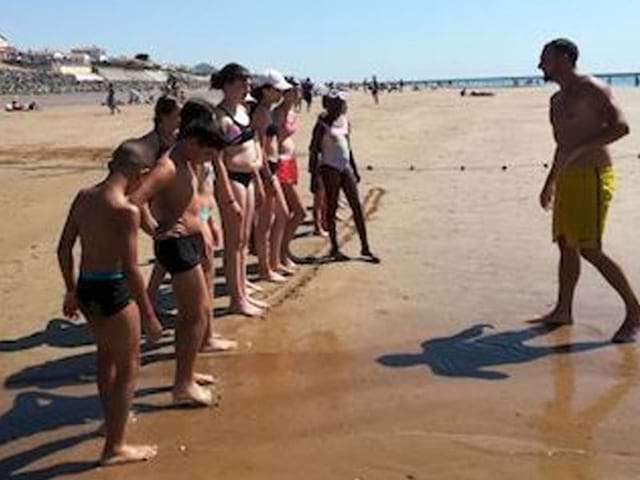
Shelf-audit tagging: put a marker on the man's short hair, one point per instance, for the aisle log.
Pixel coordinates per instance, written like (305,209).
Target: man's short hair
(566,47)
(129,155)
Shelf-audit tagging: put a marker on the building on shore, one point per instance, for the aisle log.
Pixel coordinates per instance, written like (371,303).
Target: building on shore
(7,52)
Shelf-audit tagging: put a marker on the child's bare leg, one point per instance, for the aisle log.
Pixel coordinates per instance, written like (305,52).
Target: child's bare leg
(211,342)
(118,339)
(264,246)
(190,289)
(233,228)
(350,189)
(154,330)
(296,218)
(281,210)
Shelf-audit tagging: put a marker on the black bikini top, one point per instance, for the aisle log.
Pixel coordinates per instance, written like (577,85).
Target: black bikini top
(246,133)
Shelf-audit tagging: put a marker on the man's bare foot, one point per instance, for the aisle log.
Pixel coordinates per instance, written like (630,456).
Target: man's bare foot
(246,309)
(628,331)
(272,277)
(192,396)
(216,344)
(554,319)
(128,454)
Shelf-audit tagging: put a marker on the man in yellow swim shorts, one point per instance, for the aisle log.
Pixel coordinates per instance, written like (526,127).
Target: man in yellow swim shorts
(580,185)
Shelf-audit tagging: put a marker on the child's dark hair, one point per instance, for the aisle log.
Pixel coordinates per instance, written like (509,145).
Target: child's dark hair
(165,105)
(207,132)
(229,73)
(195,109)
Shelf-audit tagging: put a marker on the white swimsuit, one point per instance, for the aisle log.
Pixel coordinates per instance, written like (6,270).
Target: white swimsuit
(336,152)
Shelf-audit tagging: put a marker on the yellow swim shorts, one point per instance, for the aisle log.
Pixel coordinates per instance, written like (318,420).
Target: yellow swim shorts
(582,199)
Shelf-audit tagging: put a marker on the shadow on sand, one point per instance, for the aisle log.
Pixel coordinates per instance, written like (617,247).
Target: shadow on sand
(473,354)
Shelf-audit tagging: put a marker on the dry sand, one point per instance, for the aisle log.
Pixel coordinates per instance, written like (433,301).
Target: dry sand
(369,372)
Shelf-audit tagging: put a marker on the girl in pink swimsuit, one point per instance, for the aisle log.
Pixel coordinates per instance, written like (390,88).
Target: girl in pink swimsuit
(286,120)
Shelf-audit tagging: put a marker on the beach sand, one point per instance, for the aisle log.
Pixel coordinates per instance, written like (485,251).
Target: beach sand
(421,368)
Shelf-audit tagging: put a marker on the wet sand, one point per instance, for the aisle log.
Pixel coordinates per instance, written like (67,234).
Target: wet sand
(420,368)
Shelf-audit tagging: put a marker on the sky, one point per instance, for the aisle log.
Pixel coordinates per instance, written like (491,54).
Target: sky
(339,39)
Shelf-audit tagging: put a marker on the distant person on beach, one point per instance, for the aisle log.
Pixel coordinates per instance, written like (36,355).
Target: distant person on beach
(580,185)
(107,225)
(331,150)
(112,103)
(375,90)
(307,93)
(171,189)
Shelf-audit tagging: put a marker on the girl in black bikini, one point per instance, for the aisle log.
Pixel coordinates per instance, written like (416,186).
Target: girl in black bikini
(242,161)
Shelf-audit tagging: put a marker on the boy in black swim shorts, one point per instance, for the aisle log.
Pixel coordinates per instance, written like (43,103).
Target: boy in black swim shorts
(107,225)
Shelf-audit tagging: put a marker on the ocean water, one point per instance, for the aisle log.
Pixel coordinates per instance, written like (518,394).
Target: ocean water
(613,79)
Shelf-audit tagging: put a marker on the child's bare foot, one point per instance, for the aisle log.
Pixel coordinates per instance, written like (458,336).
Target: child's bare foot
(216,344)
(369,257)
(257,303)
(192,396)
(154,332)
(628,331)
(128,454)
(246,309)
(554,319)
(338,256)
(286,271)
(272,277)
(204,379)
(320,232)
(254,288)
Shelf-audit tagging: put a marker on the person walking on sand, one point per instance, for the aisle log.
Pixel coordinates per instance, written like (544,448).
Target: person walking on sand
(112,103)
(585,120)
(331,149)
(107,224)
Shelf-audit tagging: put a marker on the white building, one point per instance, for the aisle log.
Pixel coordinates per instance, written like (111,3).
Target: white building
(5,47)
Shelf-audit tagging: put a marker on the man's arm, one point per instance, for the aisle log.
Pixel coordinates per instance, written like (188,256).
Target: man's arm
(615,126)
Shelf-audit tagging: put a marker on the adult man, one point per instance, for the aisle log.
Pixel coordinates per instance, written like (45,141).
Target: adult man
(585,120)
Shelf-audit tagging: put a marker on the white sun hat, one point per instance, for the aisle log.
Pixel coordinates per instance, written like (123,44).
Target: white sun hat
(272,78)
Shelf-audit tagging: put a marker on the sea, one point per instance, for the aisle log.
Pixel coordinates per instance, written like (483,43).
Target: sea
(612,79)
